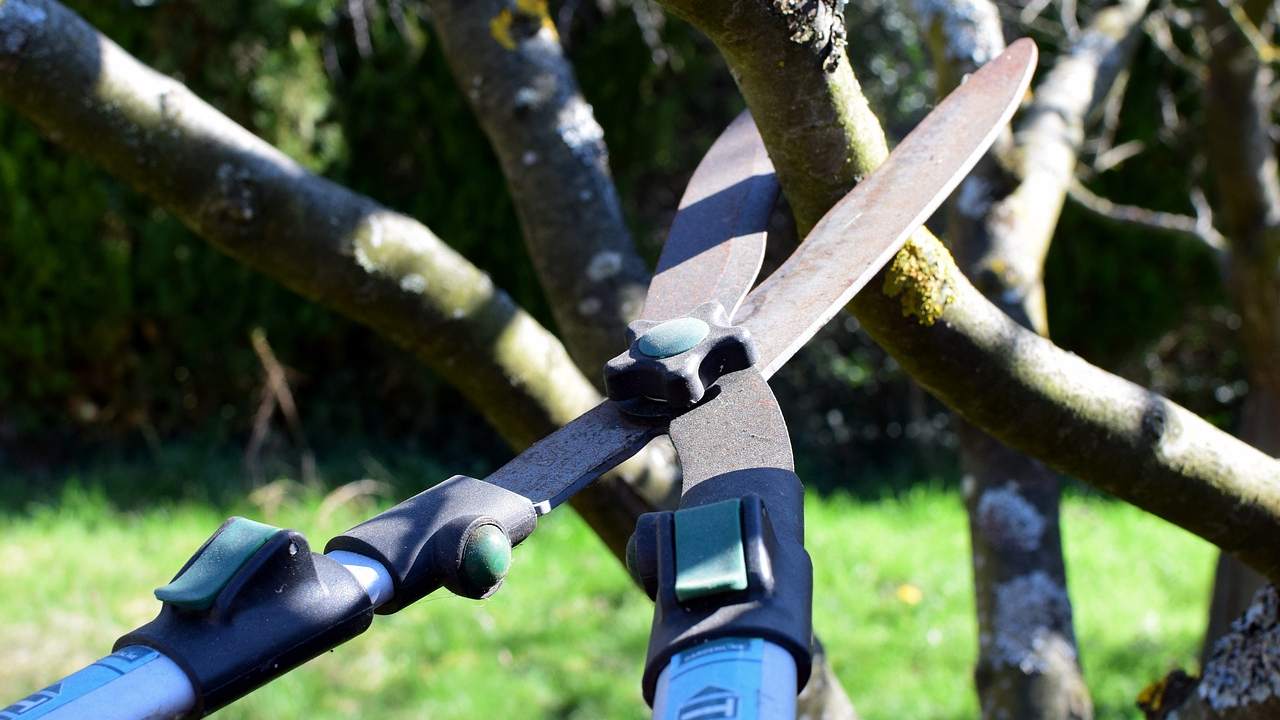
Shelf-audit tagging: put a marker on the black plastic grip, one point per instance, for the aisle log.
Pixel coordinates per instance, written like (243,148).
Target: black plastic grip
(777,603)
(282,607)
(421,541)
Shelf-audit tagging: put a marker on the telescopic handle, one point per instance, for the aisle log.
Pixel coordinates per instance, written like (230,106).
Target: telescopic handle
(140,683)
(741,678)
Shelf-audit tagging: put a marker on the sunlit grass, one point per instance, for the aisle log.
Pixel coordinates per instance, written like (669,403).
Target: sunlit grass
(566,637)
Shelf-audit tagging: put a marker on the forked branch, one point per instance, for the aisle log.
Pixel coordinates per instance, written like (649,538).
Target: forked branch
(1005,379)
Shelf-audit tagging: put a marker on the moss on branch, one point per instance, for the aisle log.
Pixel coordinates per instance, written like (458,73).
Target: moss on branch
(920,276)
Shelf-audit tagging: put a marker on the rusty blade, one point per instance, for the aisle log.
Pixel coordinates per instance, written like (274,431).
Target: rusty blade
(741,429)
(839,256)
(866,228)
(716,243)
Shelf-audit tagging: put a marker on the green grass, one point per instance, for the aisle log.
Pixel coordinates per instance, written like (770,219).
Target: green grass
(565,638)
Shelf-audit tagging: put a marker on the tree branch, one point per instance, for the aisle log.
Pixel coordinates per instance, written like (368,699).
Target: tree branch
(506,57)
(323,241)
(1147,219)
(1049,136)
(1157,28)
(1005,379)
(1240,92)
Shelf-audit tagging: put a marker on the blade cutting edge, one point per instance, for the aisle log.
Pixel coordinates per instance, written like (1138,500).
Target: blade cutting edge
(865,229)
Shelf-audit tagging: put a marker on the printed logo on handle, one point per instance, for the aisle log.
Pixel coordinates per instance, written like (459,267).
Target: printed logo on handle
(716,680)
(710,703)
(32,702)
(75,686)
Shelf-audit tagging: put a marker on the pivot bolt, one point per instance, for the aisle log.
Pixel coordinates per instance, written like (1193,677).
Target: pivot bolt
(668,366)
(672,337)
(486,558)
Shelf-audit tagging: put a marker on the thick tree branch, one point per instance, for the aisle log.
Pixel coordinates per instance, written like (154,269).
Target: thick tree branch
(506,57)
(1240,95)
(325,242)
(1021,216)
(1005,379)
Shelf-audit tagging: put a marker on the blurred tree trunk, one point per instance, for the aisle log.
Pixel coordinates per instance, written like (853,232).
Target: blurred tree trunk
(1240,94)
(1000,225)
(507,59)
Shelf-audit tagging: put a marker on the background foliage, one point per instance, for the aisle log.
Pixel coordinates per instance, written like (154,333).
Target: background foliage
(119,330)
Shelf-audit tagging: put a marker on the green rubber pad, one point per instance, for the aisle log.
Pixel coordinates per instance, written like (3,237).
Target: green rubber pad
(672,337)
(709,554)
(198,585)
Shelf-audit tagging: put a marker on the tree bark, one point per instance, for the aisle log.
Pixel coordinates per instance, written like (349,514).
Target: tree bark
(1000,225)
(507,59)
(1239,680)
(1005,379)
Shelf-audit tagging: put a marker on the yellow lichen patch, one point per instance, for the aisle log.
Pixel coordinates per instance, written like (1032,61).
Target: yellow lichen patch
(921,277)
(500,29)
(532,8)
(1151,697)
(530,14)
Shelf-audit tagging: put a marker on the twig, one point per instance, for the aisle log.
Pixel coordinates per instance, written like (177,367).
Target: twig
(258,436)
(1111,117)
(277,384)
(346,493)
(360,27)
(1032,11)
(1069,21)
(1157,28)
(1109,159)
(1157,220)
(1204,218)
(1171,121)
(1267,52)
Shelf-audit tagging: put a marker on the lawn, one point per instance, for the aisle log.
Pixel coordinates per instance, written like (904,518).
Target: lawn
(565,638)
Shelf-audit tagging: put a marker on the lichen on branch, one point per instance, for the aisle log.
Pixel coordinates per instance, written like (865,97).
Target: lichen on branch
(817,25)
(920,276)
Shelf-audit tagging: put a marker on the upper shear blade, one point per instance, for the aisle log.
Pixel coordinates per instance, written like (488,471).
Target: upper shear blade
(717,239)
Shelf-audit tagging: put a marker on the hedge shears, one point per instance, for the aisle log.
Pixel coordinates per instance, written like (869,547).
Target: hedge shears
(727,569)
